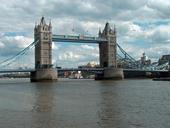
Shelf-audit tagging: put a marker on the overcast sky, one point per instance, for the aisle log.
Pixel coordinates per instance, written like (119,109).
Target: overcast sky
(142,26)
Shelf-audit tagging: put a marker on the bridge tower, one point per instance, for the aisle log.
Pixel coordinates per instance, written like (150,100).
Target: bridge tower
(108,54)
(43,53)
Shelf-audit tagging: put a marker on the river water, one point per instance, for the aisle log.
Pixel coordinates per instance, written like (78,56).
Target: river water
(84,104)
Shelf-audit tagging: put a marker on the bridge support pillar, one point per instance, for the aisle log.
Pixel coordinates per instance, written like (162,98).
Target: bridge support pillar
(113,73)
(108,55)
(110,73)
(48,74)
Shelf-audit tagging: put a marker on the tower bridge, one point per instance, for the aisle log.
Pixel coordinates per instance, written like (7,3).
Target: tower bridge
(78,39)
(43,38)
(43,51)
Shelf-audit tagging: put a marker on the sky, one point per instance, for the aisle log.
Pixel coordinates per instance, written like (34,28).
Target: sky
(142,26)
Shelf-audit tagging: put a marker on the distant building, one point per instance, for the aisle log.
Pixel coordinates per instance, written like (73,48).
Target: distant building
(75,75)
(145,61)
(164,59)
(89,65)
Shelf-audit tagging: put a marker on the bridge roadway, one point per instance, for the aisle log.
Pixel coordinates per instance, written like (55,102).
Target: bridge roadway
(128,73)
(16,70)
(59,70)
(77,39)
(79,69)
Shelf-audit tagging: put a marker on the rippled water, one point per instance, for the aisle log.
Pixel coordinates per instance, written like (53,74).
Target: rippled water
(84,104)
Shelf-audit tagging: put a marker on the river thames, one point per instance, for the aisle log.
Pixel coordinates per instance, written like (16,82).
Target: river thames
(74,103)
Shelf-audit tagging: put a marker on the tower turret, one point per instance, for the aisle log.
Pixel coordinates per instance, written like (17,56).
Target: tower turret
(114,30)
(100,33)
(107,29)
(42,22)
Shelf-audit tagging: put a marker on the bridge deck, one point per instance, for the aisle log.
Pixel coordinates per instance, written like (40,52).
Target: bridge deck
(77,39)
(77,69)
(16,70)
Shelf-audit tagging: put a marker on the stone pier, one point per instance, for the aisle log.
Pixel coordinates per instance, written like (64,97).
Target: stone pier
(113,73)
(39,75)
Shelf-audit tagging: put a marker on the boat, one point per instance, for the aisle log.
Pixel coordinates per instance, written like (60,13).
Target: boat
(161,79)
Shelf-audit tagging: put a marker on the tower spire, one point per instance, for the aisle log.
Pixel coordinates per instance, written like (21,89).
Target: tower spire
(107,28)
(35,25)
(99,32)
(114,29)
(50,26)
(42,21)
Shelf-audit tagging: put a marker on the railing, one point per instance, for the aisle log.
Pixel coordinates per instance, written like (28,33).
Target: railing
(80,69)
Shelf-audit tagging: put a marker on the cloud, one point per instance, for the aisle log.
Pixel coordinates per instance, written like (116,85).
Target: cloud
(69,56)
(142,26)
(161,8)
(75,54)
(88,47)
(160,35)
(11,45)
(1,45)
(54,46)
(2,34)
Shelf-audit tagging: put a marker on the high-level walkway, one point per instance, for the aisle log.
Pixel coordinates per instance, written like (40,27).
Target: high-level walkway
(78,39)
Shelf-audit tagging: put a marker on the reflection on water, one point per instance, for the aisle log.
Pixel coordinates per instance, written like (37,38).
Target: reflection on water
(84,104)
(42,108)
(43,98)
(109,112)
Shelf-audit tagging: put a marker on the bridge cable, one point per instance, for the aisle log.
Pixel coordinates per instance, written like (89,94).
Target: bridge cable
(125,53)
(13,58)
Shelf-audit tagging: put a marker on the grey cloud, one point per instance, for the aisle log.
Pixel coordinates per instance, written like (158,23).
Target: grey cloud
(20,15)
(12,45)
(72,55)
(66,15)
(160,36)
(162,8)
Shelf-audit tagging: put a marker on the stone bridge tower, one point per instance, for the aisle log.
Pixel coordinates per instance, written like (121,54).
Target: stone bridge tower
(108,51)
(43,53)
(43,49)
(108,54)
